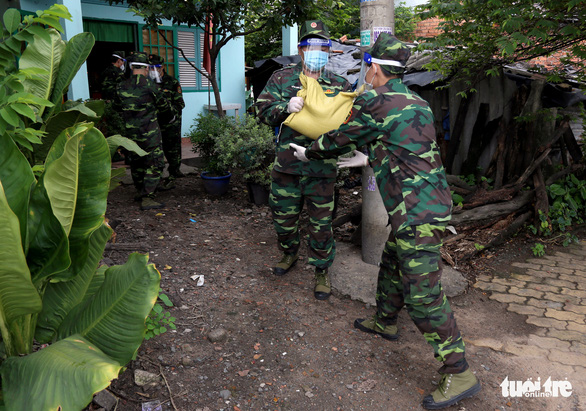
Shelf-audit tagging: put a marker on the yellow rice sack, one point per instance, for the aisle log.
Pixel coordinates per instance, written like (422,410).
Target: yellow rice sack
(320,113)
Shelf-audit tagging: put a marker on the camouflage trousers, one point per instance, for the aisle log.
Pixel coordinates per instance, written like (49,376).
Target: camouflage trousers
(146,171)
(171,135)
(288,195)
(410,275)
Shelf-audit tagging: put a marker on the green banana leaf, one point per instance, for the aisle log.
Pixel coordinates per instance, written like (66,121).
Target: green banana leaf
(117,140)
(16,177)
(48,248)
(77,50)
(63,376)
(60,298)
(77,179)
(67,117)
(18,296)
(114,319)
(45,55)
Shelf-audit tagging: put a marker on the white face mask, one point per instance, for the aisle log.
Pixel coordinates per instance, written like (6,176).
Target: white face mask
(367,85)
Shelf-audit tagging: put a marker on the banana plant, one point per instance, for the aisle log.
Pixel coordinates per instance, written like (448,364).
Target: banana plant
(67,325)
(51,290)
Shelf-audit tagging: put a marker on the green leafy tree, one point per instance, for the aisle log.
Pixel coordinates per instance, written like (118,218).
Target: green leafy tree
(230,19)
(480,36)
(342,18)
(405,22)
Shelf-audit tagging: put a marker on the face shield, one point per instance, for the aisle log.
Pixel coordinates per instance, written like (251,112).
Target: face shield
(137,66)
(315,53)
(365,68)
(123,66)
(154,73)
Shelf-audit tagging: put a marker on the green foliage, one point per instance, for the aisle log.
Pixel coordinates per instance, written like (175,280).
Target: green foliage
(234,144)
(248,146)
(31,93)
(481,35)
(567,208)
(203,135)
(567,203)
(538,250)
(342,18)
(53,231)
(457,199)
(405,22)
(159,319)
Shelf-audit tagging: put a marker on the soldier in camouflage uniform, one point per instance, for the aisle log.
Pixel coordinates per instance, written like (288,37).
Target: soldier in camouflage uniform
(141,101)
(396,127)
(112,75)
(171,129)
(295,182)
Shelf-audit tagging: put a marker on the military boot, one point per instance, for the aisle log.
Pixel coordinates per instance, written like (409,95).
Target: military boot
(374,326)
(286,263)
(323,288)
(149,203)
(451,389)
(167,184)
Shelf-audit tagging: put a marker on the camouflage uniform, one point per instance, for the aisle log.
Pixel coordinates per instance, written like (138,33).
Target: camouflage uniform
(110,78)
(171,127)
(171,131)
(140,101)
(396,126)
(294,181)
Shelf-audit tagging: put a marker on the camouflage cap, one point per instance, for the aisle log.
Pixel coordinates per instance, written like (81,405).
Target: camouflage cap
(155,59)
(388,47)
(314,28)
(119,54)
(139,57)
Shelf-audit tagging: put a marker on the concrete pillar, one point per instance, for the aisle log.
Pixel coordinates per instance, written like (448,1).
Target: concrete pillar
(79,87)
(375,17)
(290,40)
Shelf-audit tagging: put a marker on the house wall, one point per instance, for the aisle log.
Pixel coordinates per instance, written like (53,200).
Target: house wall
(231,60)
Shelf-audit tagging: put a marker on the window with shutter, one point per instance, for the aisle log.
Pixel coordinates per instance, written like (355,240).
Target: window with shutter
(177,64)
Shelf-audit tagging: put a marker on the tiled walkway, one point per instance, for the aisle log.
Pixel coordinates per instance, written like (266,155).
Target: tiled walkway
(551,292)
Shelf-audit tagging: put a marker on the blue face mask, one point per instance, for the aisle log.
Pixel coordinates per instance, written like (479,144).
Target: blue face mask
(315,60)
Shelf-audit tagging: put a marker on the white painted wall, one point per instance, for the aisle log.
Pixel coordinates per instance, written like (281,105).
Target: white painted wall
(231,62)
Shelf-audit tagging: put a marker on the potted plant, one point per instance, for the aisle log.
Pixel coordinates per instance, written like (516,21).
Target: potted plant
(249,148)
(203,135)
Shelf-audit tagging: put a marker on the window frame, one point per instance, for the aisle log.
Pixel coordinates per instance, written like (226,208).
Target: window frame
(177,57)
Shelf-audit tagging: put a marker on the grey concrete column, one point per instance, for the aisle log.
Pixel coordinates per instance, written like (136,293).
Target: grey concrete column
(375,17)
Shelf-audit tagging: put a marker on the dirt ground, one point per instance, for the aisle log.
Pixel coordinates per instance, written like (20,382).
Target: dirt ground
(279,348)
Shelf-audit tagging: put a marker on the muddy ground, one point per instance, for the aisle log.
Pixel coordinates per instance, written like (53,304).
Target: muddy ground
(279,348)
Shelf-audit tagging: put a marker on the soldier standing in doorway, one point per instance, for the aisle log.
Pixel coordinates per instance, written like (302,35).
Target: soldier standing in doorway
(141,103)
(171,129)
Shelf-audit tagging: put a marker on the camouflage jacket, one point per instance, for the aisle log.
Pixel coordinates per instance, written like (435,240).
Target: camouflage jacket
(397,128)
(109,80)
(140,101)
(172,89)
(272,105)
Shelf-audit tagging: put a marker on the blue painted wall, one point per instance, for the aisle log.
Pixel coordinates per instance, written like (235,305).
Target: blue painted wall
(231,58)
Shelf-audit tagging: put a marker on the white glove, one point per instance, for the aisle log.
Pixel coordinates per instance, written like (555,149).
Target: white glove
(359,160)
(299,152)
(295,105)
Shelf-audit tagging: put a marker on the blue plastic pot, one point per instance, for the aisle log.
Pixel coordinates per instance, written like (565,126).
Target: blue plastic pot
(216,185)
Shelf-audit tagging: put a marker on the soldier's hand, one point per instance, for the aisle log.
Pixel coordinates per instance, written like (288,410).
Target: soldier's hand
(359,160)
(295,105)
(299,152)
